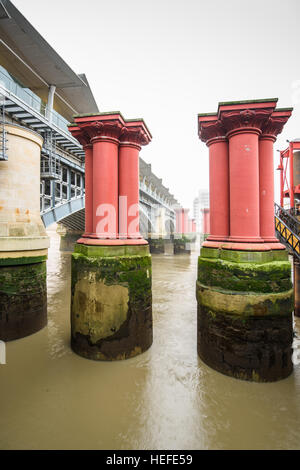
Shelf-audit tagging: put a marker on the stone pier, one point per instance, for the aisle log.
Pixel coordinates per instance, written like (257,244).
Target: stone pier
(111,306)
(23,239)
(244,289)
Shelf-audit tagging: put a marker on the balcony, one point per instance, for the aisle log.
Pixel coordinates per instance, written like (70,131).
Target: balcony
(21,103)
(51,169)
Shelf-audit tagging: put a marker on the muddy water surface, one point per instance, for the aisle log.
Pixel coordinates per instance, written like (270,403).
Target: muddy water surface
(50,398)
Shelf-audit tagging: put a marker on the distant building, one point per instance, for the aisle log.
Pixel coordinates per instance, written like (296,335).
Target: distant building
(200,202)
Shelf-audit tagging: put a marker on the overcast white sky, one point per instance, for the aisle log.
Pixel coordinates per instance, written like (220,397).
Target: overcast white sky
(168,60)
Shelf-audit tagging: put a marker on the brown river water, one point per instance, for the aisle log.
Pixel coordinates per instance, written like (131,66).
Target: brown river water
(166,398)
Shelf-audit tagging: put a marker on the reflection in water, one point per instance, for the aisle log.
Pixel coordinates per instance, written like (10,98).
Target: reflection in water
(164,399)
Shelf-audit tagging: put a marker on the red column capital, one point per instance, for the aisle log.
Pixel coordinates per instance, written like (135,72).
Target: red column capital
(244,121)
(275,124)
(102,127)
(79,134)
(210,129)
(135,133)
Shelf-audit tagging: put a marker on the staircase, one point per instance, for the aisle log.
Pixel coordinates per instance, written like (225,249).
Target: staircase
(287,228)
(3,138)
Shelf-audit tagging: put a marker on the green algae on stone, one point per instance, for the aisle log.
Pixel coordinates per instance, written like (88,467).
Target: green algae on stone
(23,300)
(268,277)
(27,260)
(245,303)
(112,314)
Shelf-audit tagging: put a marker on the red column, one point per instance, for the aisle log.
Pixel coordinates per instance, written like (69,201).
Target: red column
(206,221)
(105,187)
(266,173)
(182,221)
(133,136)
(281,181)
(178,220)
(219,188)
(213,133)
(84,140)
(185,220)
(291,163)
(88,189)
(244,186)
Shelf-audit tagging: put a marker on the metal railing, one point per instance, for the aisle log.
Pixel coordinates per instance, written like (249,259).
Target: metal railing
(31,99)
(3,136)
(287,228)
(24,94)
(51,169)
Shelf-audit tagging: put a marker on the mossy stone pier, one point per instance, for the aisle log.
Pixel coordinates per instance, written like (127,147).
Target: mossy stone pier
(23,240)
(245,304)
(244,289)
(23,296)
(111,311)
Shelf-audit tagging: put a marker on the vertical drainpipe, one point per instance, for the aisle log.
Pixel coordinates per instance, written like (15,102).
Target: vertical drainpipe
(49,107)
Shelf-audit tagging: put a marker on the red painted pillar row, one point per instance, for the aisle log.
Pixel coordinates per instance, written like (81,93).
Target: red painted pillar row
(112,146)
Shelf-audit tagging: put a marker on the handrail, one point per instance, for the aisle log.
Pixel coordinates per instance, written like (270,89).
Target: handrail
(31,99)
(287,228)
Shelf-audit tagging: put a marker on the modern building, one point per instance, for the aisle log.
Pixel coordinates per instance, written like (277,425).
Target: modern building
(40,91)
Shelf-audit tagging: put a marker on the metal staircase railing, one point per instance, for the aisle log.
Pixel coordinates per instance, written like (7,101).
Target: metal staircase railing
(3,137)
(287,228)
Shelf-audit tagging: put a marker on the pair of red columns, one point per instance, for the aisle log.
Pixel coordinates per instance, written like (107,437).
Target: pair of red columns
(112,145)
(240,137)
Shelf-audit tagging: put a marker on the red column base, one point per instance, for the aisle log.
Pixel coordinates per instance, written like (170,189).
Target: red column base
(277,246)
(112,241)
(270,239)
(244,246)
(238,246)
(217,238)
(245,239)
